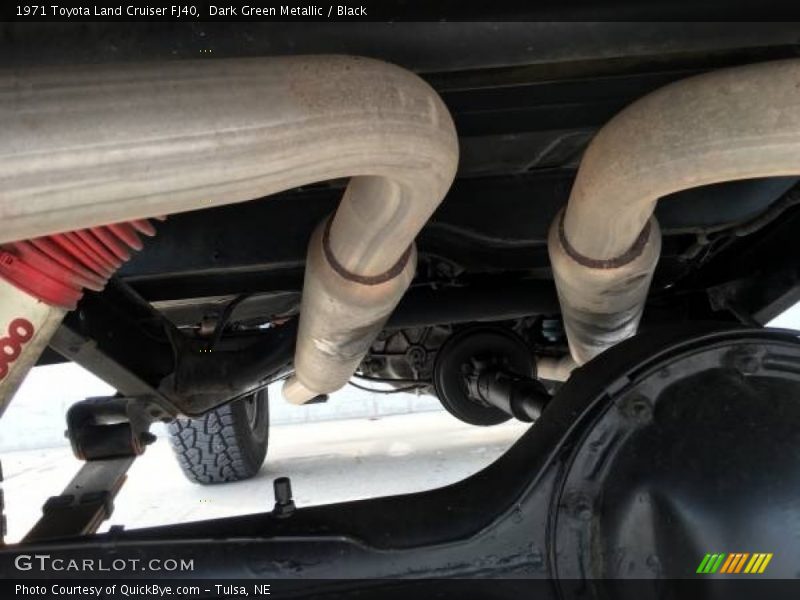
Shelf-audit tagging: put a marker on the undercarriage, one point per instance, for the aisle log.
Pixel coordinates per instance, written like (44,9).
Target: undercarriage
(582,226)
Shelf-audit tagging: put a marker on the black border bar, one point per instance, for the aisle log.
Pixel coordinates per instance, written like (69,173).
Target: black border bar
(192,11)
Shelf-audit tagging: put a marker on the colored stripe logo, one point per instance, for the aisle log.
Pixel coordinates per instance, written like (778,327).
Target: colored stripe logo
(737,562)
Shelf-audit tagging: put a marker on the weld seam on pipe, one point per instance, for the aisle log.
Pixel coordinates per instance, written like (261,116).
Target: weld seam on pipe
(608,263)
(154,139)
(391,273)
(737,123)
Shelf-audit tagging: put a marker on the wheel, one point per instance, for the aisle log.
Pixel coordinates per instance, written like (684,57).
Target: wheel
(227,444)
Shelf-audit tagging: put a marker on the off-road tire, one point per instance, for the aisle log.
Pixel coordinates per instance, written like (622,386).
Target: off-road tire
(227,444)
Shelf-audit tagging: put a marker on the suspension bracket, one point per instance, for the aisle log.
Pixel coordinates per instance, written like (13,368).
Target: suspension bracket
(107,433)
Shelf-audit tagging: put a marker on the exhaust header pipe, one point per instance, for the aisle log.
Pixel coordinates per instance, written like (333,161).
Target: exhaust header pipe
(736,123)
(87,146)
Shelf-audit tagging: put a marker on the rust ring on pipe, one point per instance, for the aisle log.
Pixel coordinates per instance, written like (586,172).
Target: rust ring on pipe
(393,272)
(611,263)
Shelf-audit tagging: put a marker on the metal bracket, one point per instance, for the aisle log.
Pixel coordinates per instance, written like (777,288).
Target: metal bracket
(85,503)
(108,433)
(103,428)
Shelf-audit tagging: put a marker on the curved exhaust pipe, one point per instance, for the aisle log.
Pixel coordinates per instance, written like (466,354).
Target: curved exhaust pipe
(736,123)
(87,146)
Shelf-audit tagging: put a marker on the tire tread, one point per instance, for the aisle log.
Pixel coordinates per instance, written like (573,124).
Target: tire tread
(217,447)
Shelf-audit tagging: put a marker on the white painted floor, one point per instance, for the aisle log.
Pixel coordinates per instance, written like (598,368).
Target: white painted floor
(327,461)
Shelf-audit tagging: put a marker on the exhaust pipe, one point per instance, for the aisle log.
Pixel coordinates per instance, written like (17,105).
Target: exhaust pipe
(144,140)
(736,123)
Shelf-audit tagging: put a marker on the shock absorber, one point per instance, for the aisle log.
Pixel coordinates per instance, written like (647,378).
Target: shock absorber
(41,279)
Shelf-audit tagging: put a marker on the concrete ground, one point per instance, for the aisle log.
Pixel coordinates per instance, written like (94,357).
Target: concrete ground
(328,461)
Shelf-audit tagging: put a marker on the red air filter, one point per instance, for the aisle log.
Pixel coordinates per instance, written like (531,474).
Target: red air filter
(55,269)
